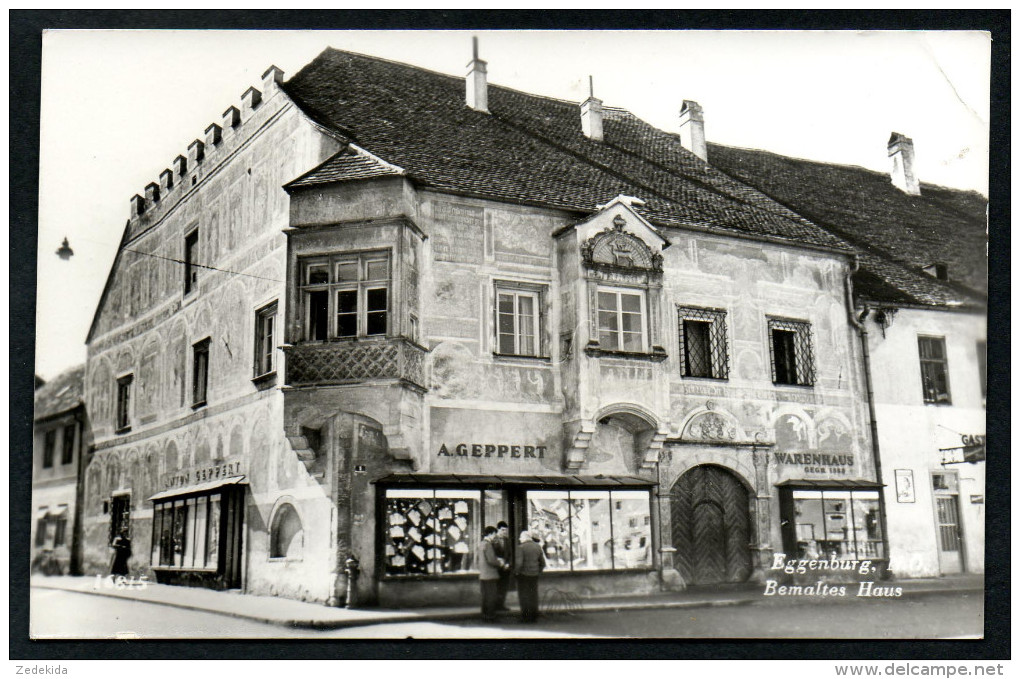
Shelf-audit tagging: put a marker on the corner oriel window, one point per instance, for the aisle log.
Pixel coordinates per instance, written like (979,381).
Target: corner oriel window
(621,324)
(703,351)
(190,255)
(934,369)
(793,359)
(345,296)
(200,374)
(518,319)
(265,340)
(124,402)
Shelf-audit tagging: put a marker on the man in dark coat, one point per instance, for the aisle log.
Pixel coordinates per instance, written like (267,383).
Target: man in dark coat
(529,565)
(501,543)
(488,573)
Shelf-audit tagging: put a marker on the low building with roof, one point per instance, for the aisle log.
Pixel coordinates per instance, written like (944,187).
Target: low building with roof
(58,458)
(379,308)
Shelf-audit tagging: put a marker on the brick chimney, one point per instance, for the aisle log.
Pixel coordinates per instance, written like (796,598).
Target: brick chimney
(477,86)
(692,129)
(591,114)
(901,150)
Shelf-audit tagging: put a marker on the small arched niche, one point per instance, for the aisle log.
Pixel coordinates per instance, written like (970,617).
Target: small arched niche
(286,534)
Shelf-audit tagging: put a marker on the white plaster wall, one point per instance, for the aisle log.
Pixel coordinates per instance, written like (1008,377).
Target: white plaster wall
(912,433)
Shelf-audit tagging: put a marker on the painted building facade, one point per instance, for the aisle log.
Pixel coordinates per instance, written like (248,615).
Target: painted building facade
(365,318)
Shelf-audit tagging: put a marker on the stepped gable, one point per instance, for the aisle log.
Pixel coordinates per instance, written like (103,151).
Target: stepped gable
(64,392)
(941,225)
(527,149)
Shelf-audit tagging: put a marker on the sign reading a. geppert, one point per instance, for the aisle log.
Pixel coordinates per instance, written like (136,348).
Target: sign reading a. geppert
(496,450)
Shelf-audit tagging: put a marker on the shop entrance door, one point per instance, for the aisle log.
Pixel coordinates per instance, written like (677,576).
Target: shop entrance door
(947,522)
(711,526)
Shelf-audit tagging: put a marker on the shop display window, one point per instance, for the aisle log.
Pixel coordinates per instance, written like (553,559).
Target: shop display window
(432,531)
(592,529)
(840,524)
(185,533)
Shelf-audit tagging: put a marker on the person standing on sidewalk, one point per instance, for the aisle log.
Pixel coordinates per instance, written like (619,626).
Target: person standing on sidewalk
(529,565)
(488,573)
(121,553)
(501,543)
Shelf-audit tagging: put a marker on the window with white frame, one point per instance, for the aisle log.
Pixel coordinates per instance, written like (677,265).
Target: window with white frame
(621,319)
(265,340)
(345,296)
(934,369)
(518,319)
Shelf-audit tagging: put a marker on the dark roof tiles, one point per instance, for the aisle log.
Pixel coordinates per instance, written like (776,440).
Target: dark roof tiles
(528,148)
(941,225)
(61,394)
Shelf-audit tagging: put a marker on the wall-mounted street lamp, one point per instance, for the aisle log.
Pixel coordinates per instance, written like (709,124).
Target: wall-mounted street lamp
(65,252)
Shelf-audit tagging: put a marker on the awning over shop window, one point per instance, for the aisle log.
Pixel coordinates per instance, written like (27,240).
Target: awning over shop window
(199,488)
(829,483)
(536,481)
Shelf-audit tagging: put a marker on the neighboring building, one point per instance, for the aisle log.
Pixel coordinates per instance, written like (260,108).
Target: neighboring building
(490,307)
(921,294)
(58,458)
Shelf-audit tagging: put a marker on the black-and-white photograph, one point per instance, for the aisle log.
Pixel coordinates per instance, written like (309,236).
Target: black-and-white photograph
(507,334)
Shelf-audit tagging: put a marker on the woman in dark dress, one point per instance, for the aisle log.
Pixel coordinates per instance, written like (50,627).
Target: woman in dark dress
(121,553)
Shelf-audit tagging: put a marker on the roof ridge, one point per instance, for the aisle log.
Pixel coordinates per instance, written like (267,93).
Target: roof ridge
(847,166)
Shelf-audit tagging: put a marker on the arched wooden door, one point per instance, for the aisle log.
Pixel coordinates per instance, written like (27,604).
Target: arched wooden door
(711,526)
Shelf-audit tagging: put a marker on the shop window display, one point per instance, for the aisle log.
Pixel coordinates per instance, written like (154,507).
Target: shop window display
(185,533)
(591,530)
(840,524)
(432,531)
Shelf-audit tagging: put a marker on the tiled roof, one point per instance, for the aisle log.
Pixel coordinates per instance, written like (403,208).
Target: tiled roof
(346,165)
(899,234)
(529,149)
(62,393)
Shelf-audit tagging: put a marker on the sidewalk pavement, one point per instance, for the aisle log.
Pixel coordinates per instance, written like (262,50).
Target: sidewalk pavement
(291,613)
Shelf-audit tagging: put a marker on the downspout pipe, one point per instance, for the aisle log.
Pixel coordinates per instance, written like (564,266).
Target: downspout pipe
(859,323)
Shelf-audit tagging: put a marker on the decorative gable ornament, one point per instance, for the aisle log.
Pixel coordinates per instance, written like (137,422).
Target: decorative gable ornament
(617,250)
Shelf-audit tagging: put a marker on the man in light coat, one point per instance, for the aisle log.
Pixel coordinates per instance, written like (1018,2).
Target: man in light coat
(529,565)
(489,566)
